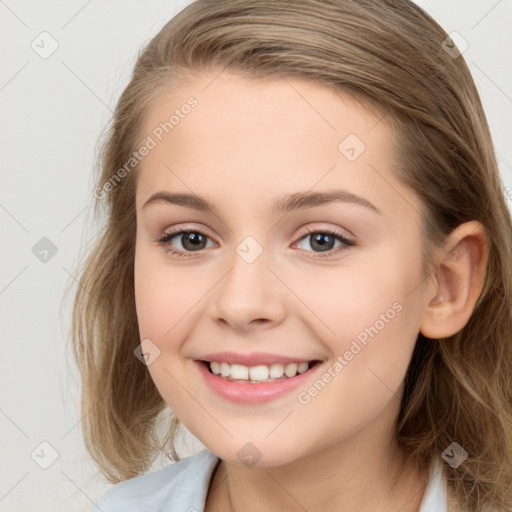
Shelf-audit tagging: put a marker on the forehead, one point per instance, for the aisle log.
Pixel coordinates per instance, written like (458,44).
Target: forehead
(260,106)
(264,135)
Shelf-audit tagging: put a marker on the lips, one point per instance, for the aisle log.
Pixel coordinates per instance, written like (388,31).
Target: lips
(248,391)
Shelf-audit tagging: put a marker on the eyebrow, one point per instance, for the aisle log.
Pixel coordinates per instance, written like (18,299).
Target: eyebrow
(288,203)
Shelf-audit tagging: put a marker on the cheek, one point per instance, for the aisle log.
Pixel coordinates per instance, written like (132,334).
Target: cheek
(378,328)
(163,296)
(343,301)
(369,316)
(368,375)
(163,293)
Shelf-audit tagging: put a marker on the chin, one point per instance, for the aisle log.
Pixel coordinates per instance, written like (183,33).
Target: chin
(257,455)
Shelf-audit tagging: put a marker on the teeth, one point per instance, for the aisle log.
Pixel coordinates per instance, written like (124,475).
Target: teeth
(240,372)
(260,373)
(303,367)
(291,370)
(225,369)
(256,372)
(277,371)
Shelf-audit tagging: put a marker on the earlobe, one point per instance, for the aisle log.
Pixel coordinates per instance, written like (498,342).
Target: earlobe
(459,277)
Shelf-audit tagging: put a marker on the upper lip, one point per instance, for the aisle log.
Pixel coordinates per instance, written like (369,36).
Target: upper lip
(252,358)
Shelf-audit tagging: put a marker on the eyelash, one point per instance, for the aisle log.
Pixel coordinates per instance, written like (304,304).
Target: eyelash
(167,237)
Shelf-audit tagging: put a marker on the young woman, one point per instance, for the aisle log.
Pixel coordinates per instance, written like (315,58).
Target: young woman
(306,261)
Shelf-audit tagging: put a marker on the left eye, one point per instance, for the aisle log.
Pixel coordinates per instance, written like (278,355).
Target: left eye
(325,240)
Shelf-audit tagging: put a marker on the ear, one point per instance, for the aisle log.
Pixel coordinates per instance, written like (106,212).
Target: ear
(459,278)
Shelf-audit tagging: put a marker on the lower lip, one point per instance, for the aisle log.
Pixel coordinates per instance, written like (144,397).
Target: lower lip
(247,393)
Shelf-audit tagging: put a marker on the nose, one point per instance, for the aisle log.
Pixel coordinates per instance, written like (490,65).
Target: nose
(249,296)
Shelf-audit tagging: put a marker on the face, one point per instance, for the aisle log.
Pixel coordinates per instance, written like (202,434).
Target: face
(267,276)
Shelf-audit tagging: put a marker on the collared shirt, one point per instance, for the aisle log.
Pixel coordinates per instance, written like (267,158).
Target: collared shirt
(182,487)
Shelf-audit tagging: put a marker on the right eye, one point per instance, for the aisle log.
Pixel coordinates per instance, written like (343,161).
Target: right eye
(190,240)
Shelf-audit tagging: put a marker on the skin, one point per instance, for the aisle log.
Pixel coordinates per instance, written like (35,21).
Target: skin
(245,145)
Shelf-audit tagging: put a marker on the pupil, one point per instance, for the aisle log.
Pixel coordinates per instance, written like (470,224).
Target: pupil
(195,239)
(325,242)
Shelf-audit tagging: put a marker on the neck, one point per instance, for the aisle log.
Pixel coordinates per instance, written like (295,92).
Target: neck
(351,475)
(323,491)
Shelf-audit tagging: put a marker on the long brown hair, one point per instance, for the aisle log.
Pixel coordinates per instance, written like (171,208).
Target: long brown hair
(389,54)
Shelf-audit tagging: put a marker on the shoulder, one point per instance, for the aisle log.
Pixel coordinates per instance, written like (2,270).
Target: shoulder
(180,486)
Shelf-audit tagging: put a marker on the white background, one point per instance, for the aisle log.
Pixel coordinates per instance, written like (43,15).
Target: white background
(52,111)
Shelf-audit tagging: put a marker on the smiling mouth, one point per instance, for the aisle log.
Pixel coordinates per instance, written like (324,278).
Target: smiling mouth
(259,373)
